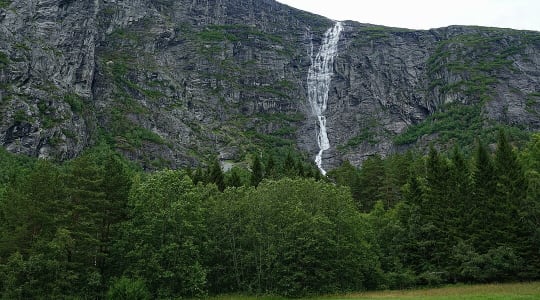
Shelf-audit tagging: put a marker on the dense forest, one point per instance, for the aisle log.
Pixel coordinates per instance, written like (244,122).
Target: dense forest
(98,227)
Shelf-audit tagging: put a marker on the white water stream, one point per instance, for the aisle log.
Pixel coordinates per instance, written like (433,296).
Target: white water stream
(319,76)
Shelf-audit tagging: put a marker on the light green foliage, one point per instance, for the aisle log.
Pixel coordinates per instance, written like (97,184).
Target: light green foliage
(163,239)
(128,289)
(457,122)
(234,33)
(279,237)
(75,102)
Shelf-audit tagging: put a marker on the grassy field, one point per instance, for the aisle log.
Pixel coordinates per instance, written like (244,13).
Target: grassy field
(475,292)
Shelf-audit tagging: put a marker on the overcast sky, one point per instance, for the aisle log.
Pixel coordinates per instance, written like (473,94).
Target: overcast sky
(425,14)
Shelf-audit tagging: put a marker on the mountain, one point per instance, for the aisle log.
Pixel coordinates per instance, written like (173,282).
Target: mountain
(175,82)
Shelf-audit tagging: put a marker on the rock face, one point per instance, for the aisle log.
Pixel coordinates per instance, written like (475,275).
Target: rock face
(174,82)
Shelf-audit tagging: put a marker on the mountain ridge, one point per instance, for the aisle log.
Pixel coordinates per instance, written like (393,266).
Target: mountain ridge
(173,83)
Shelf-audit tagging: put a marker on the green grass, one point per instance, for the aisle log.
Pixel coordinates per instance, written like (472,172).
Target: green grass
(452,292)
(484,291)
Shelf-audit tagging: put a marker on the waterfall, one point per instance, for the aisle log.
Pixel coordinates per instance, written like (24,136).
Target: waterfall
(318,81)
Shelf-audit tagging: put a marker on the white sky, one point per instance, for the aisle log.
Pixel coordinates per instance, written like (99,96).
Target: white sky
(426,14)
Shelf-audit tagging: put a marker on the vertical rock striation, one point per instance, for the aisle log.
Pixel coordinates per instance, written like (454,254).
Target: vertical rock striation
(173,83)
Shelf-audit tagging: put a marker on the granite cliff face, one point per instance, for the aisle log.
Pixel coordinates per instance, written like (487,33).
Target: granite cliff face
(175,82)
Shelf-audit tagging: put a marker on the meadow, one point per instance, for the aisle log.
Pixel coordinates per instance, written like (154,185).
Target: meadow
(529,290)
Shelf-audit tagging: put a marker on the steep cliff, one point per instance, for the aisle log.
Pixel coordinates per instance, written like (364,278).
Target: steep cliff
(171,83)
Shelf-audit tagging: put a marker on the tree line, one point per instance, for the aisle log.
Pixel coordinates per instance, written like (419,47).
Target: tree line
(96,227)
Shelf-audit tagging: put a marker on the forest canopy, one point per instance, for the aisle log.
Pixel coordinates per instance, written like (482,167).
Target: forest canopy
(96,227)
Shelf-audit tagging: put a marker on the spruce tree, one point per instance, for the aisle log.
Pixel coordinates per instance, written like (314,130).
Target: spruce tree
(289,166)
(88,210)
(215,175)
(270,167)
(256,171)
(370,181)
(459,193)
(198,176)
(482,208)
(234,178)
(510,197)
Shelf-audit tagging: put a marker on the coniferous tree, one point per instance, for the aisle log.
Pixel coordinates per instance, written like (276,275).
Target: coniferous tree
(530,158)
(270,168)
(510,197)
(116,188)
(289,166)
(215,175)
(437,210)
(234,179)
(482,207)
(88,210)
(300,168)
(396,170)
(256,171)
(371,180)
(348,175)
(459,193)
(198,176)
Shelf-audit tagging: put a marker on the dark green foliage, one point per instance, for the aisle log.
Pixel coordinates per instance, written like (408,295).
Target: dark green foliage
(347,175)
(83,230)
(4,60)
(270,167)
(75,102)
(256,171)
(456,122)
(234,178)
(57,224)
(215,175)
(198,176)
